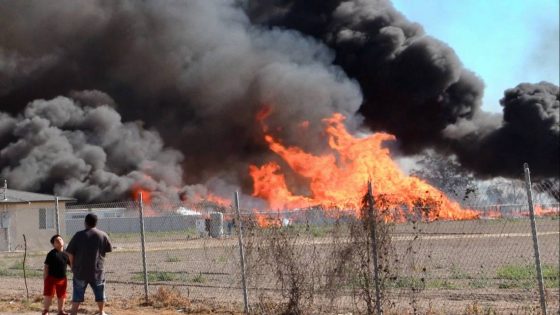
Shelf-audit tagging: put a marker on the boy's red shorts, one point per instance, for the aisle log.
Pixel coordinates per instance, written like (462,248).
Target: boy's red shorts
(53,284)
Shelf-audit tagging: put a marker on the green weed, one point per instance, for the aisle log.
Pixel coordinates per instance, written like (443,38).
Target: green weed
(172,259)
(524,276)
(156,276)
(199,278)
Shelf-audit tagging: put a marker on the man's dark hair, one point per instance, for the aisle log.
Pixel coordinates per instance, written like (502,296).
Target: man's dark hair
(91,220)
(54,237)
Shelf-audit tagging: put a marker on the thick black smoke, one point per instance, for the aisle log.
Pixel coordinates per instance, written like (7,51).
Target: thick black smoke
(530,132)
(96,96)
(415,87)
(195,72)
(86,152)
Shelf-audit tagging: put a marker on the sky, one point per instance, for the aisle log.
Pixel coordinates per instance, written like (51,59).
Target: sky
(505,42)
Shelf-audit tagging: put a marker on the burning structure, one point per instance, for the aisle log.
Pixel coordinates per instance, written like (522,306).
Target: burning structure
(100,99)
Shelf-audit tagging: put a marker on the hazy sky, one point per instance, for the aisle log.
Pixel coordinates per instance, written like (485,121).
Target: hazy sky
(505,42)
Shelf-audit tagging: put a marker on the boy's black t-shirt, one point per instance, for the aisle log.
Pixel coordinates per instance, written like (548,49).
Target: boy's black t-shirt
(57,262)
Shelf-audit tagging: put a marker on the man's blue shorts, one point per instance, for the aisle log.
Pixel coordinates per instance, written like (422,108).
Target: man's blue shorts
(79,289)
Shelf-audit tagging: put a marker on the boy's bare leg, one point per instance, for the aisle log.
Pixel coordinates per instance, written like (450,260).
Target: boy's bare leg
(101,305)
(47,302)
(75,306)
(61,304)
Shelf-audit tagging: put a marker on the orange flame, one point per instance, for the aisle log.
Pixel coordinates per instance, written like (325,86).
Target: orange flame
(263,220)
(207,196)
(137,189)
(492,213)
(146,194)
(541,211)
(262,115)
(338,179)
(218,200)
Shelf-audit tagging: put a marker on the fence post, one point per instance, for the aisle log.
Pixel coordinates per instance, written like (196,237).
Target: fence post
(143,248)
(9,234)
(24,258)
(56,211)
(535,237)
(241,254)
(373,224)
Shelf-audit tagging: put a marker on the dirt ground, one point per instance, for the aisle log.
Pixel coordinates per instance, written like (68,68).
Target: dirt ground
(134,303)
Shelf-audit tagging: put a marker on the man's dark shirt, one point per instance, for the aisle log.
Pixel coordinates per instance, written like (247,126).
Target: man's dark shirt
(57,262)
(89,247)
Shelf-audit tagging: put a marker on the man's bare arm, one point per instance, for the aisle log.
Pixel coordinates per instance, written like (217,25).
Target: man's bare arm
(70,259)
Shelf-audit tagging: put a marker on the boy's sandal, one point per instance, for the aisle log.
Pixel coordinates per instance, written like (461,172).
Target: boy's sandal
(45,312)
(62,313)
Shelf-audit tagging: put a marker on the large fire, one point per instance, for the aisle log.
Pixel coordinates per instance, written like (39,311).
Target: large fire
(338,179)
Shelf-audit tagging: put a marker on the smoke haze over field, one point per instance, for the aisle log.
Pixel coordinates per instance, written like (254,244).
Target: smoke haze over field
(96,96)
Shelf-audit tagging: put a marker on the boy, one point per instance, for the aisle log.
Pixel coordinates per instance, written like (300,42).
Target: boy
(54,275)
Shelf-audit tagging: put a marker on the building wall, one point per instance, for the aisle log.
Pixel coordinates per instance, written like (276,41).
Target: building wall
(132,225)
(25,220)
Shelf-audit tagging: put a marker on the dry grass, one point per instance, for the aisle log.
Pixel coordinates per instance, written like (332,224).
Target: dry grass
(316,278)
(172,299)
(169,297)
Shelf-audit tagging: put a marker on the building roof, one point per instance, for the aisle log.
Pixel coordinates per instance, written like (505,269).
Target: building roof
(19,196)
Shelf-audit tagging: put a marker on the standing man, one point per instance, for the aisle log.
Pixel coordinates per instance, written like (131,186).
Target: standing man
(86,251)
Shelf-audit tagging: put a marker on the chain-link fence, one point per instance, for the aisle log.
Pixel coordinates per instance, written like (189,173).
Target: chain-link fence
(318,260)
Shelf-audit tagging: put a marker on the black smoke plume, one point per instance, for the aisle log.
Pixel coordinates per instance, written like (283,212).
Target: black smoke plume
(179,82)
(529,132)
(415,87)
(97,96)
